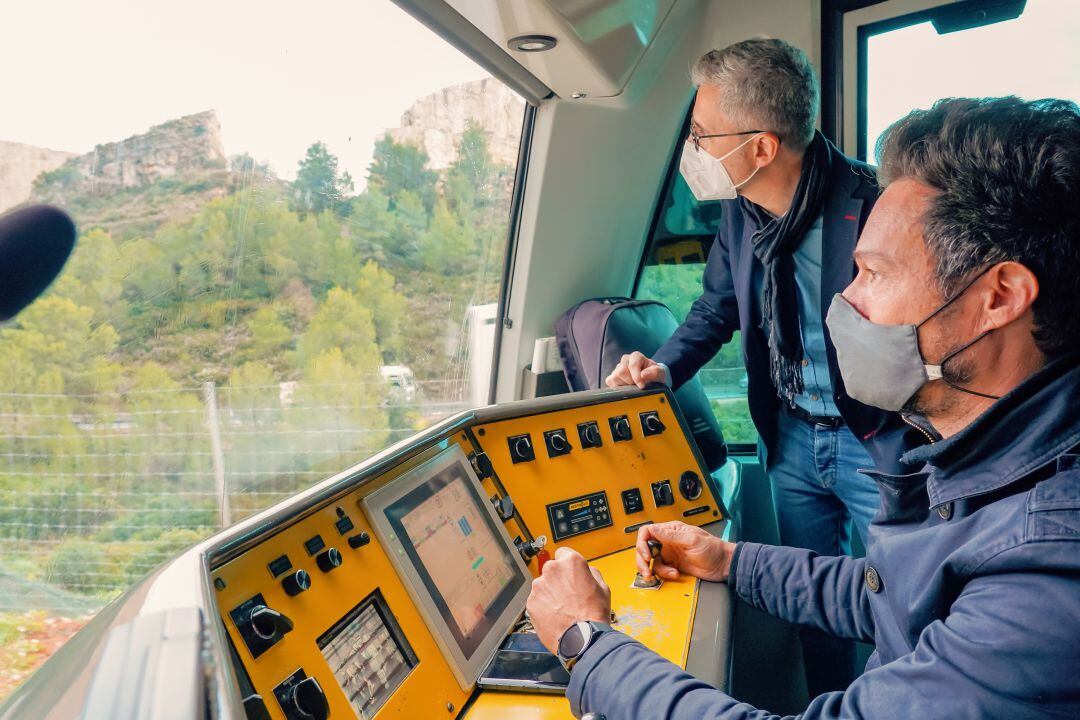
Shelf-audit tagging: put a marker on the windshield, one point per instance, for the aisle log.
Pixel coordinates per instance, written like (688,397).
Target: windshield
(292,220)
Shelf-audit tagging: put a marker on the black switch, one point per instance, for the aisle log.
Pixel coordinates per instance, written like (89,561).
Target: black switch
(556,443)
(620,428)
(296,582)
(521,449)
(589,434)
(631,501)
(359,540)
(690,485)
(328,559)
(268,624)
(661,492)
(302,698)
(260,626)
(651,423)
(482,464)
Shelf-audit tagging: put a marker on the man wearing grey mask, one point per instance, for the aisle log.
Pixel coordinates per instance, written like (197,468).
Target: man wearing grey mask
(965,314)
(792,207)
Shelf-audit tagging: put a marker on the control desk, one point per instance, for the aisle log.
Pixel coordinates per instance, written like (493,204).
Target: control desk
(383,592)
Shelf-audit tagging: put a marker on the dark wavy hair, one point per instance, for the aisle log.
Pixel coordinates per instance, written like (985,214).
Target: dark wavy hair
(1007,176)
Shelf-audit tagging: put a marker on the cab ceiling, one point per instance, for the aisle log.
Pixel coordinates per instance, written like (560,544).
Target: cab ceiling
(598,42)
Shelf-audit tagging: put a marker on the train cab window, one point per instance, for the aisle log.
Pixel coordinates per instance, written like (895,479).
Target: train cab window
(682,233)
(292,221)
(912,60)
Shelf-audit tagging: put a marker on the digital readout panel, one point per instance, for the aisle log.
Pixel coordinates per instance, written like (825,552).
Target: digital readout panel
(368,655)
(579,515)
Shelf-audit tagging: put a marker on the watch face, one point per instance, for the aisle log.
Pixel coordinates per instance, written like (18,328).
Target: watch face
(572,641)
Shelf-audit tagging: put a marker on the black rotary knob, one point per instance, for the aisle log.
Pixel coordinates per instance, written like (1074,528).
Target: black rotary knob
(359,540)
(690,485)
(328,559)
(268,624)
(653,425)
(523,448)
(620,428)
(558,442)
(591,434)
(296,582)
(309,700)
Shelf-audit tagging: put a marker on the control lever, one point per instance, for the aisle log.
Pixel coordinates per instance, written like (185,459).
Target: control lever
(529,550)
(640,583)
(504,506)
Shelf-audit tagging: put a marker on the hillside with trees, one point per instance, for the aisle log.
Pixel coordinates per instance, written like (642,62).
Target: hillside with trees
(283,298)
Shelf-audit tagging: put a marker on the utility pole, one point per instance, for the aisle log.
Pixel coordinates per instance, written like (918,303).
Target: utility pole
(216,454)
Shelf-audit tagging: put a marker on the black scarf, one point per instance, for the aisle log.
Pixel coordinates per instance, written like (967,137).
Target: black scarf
(773,246)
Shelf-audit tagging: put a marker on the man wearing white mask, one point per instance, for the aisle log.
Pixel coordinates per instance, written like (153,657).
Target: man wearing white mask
(793,207)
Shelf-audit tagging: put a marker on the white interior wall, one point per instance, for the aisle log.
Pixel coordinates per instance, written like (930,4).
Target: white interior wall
(597,166)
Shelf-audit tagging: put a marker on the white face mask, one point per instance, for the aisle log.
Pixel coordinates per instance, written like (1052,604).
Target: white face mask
(706,175)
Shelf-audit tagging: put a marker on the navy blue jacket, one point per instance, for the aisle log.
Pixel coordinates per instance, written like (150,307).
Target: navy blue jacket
(970,587)
(727,304)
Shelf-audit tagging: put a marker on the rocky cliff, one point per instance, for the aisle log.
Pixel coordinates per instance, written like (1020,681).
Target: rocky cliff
(20,165)
(436,122)
(134,185)
(184,148)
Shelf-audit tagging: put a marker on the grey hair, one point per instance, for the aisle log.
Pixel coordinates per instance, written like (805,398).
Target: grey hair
(767,83)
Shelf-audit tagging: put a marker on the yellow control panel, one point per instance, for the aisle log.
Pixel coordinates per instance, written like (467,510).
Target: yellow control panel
(589,477)
(327,623)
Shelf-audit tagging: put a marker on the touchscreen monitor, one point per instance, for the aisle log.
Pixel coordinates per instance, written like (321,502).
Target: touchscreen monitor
(455,557)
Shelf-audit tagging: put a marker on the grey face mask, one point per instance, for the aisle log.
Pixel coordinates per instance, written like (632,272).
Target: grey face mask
(881,364)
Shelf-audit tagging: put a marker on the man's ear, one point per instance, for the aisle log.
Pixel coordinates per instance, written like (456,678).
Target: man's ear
(1013,289)
(766,146)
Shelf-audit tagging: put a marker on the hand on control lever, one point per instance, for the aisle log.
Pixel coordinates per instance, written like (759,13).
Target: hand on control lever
(685,549)
(567,591)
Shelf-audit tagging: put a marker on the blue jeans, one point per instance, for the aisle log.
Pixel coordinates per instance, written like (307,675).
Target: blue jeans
(820,501)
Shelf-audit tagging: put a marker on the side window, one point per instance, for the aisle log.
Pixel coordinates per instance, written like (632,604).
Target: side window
(675,254)
(910,61)
(289,254)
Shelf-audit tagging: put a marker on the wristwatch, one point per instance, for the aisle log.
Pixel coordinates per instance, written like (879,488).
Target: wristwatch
(577,639)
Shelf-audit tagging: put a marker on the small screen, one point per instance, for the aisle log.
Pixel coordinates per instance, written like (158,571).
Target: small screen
(368,655)
(457,551)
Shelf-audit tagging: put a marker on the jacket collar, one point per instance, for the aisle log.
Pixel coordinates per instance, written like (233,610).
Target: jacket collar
(848,178)
(1021,432)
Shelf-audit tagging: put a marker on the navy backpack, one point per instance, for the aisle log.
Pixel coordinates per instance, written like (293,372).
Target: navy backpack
(594,335)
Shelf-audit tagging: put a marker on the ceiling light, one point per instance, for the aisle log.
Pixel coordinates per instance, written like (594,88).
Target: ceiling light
(531,43)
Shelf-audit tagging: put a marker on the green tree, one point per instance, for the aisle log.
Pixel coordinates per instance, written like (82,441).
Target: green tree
(319,186)
(269,335)
(342,322)
(375,290)
(448,247)
(396,168)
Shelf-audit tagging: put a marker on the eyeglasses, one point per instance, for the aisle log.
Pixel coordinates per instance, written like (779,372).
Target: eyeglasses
(696,139)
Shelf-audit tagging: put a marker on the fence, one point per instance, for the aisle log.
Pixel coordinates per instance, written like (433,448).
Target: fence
(96,490)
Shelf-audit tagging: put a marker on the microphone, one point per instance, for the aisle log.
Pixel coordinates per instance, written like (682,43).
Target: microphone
(35,242)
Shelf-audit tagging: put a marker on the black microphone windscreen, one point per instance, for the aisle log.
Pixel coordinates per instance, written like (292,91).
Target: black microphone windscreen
(35,242)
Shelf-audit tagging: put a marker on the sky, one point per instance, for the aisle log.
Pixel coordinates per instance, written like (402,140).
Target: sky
(1035,56)
(280,75)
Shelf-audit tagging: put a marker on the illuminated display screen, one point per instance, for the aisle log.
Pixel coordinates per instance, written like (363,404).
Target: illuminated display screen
(368,655)
(456,549)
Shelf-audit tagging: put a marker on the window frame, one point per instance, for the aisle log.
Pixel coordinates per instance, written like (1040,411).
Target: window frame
(846,28)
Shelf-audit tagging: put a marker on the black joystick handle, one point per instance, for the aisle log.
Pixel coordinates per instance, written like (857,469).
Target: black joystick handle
(655,546)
